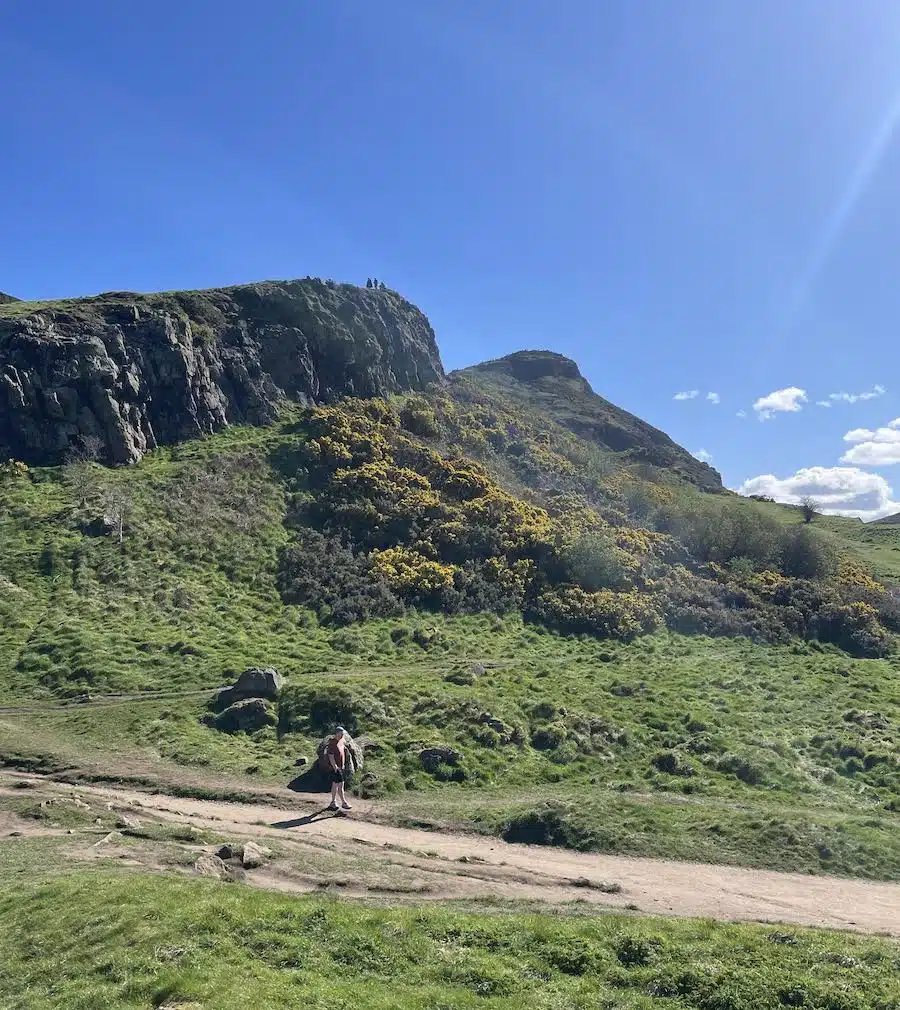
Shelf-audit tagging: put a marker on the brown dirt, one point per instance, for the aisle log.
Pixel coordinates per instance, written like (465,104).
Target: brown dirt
(356,856)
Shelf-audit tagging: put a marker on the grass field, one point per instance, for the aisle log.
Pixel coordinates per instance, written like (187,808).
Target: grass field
(90,940)
(716,750)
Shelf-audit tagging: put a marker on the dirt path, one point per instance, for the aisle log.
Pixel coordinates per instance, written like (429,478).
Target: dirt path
(445,866)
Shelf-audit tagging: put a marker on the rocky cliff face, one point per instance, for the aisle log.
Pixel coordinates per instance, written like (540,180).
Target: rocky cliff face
(127,372)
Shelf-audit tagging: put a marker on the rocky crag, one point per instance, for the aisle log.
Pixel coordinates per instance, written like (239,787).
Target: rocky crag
(551,384)
(124,373)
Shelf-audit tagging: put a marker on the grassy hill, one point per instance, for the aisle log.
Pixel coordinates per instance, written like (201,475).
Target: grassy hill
(114,940)
(610,650)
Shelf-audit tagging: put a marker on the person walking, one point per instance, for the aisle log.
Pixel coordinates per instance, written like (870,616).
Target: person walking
(336,752)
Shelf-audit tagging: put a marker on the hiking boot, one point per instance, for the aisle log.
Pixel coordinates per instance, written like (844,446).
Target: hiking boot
(346,806)
(332,806)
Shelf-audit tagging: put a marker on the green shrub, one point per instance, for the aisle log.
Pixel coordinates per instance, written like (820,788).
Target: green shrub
(319,709)
(548,825)
(593,562)
(320,572)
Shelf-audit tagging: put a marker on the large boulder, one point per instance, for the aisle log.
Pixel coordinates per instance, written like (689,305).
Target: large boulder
(254,682)
(317,777)
(245,717)
(354,751)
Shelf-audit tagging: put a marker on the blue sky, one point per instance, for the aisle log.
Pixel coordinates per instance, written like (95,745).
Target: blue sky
(681,196)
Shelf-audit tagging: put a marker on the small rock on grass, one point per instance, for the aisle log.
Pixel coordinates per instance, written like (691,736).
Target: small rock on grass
(211,866)
(128,822)
(253,855)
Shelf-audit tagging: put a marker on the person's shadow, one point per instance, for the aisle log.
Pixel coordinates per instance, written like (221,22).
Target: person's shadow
(298,822)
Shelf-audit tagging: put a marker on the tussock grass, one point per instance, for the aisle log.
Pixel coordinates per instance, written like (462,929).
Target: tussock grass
(90,940)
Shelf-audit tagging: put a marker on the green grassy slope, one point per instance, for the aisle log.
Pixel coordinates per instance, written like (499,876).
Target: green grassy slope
(709,748)
(91,940)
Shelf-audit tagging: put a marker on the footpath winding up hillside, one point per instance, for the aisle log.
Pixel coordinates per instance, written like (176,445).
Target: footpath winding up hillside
(543,620)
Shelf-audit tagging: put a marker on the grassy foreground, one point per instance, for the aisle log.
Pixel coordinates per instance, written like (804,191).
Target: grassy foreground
(98,940)
(715,750)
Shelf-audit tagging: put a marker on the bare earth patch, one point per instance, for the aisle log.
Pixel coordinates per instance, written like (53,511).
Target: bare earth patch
(314,850)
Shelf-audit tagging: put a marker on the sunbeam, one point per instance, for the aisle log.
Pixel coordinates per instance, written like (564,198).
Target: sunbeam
(837,221)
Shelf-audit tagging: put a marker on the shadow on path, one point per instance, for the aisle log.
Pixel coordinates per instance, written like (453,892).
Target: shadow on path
(298,822)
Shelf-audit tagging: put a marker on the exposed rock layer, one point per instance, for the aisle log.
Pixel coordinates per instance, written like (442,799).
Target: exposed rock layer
(124,373)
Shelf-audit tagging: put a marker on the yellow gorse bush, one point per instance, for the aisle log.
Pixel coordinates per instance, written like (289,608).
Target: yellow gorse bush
(407,571)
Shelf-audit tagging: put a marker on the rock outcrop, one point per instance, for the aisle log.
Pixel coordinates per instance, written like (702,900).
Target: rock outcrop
(254,682)
(245,717)
(552,384)
(124,373)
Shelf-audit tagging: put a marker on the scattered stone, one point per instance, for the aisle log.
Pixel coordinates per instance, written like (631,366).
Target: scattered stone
(225,852)
(211,866)
(76,802)
(113,836)
(15,834)
(604,886)
(252,856)
(128,823)
(245,717)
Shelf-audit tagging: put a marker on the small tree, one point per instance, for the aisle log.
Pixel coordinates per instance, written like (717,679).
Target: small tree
(368,282)
(809,507)
(116,504)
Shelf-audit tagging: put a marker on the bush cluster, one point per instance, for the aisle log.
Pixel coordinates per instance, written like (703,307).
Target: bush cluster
(386,520)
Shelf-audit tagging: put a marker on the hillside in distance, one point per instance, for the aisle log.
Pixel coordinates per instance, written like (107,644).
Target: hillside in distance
(544,382)
(375,483)
(498,564)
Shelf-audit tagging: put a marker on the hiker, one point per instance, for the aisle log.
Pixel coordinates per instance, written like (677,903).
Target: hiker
(336,752)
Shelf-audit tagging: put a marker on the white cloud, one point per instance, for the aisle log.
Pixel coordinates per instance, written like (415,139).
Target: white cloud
(823,403)
(688,394)
(782,400)
(839,490)
(741,413)
(870,394)
(702,455)
(878,447)
(712,397)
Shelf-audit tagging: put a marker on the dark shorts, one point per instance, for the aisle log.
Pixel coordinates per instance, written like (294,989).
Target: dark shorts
(337,776)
